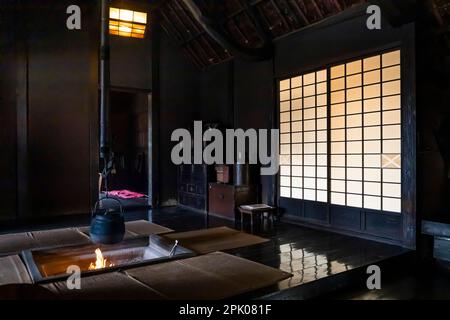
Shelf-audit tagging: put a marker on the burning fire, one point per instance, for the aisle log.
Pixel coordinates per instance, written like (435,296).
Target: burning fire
(100,262)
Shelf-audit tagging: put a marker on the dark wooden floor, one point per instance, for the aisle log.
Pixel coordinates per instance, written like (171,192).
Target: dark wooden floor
(306,253)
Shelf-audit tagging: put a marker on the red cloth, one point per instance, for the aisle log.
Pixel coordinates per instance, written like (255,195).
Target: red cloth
(126,194)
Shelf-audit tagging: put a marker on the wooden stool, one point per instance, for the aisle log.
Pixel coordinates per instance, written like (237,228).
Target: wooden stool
(256,209)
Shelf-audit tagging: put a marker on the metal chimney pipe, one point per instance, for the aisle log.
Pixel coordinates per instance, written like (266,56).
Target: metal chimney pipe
(104,82)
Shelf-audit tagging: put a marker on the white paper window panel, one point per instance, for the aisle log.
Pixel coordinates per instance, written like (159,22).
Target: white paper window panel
(354,174)
(372,63)
(309,113)
(354,94)
(322,88)
(372,91)
(372,161)
(285,160)
(296,82)
(321,75)
(322,100)
(372,188)
(338,147)
(297,193)
(354,134)
(309,194)
(285,138)
(372,147)
(392,190)
(355,161)
(354,200)
(297,104)
(354,67)
(285,117)
(297,137)
(338,135)
(338,110)
(354,147)
(285,106)
(354,121)
(285,149)
(285,181)
(321,112)
(372,77)
(297,171)
(338,84)
(391,117)
(297,148)
(391,73)
(297,160)
(322,136)
(322,148)
(297,126)
(309,78)
(391,58)
(322,184)
(392,175)
(371,105)
(309,148)
(354,81)
(337,71)
(372,175)
(285,192)
(322,124)
(310,160)
(310,125)
(338,160)
(309,90)
(337,122)
(309,183)
(354,107)
(392,205)
(297,182)
(338,185)
(354,187)
(392,87)
(285,95)
(309,102)
(297,115)
(285,127)
(392,102)
(296,93)
(372,133)
(322,196)
(372,119)
(373,203)
(309,171)
(338,97)
(285,84)
(338,198)
(392,146)
(285,170)
(392,132)
(338,173)
(322,172)
(322,160)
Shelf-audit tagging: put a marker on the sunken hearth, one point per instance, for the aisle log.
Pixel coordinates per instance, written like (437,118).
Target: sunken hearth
(58,263)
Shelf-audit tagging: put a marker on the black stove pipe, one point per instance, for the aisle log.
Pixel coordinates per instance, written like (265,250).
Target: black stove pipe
(104,83)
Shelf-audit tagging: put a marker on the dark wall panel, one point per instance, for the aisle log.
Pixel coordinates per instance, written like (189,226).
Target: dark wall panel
(8,79)
(178,104)
(61,99)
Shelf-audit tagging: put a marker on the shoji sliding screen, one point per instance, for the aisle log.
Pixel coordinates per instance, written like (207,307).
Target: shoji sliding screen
(359,109)
(303,137)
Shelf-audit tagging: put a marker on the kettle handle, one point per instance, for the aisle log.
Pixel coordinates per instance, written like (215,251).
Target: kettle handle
(93,213)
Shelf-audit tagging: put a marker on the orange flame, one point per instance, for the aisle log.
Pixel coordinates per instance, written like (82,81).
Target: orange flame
(100,262)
